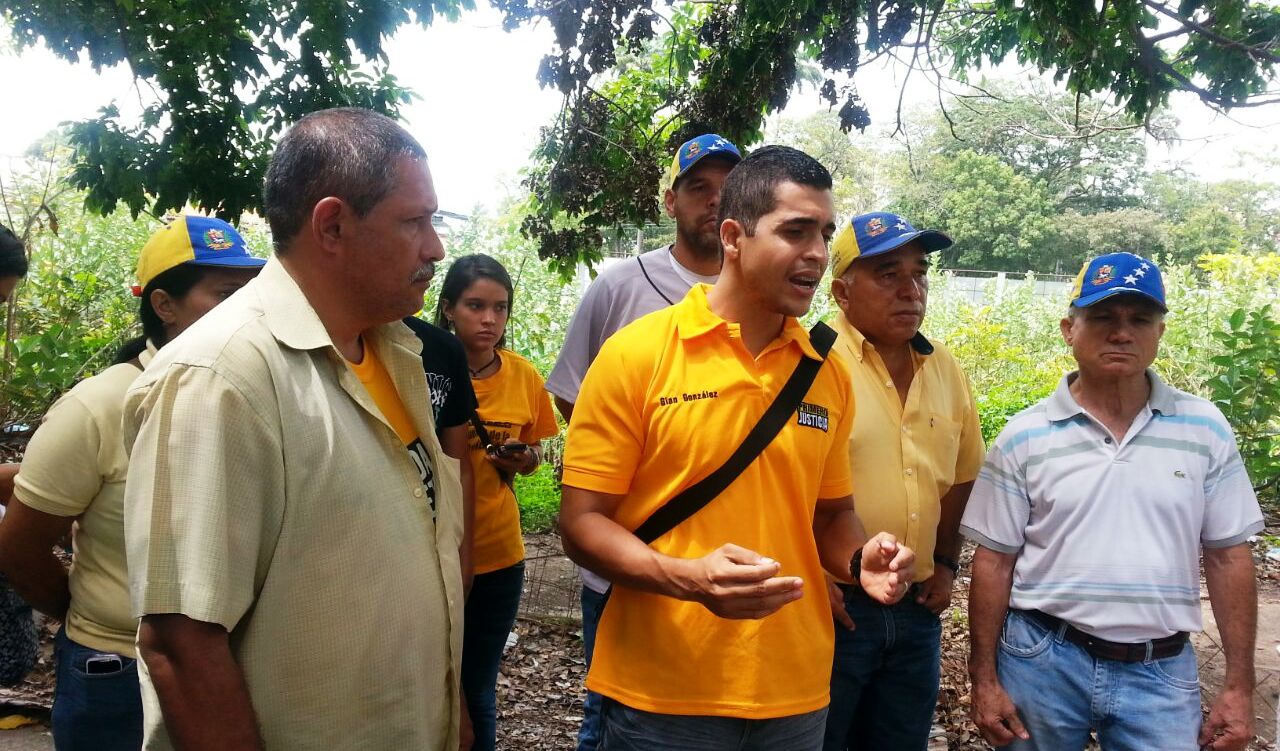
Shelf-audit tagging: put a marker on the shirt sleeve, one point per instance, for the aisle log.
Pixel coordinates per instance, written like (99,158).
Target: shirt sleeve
(999,508)
(204,497)
(837,471)
(460,402)
(1231,511)
(606,435)
(969,457)
(582,341)
(543,424)
(61,469)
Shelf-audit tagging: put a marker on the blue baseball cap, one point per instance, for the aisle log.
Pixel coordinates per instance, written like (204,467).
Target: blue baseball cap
(877,233)
(1118,274)
(695,150)
(197,240)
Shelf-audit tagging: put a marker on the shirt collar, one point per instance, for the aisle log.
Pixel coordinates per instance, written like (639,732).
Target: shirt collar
(144,357)
(695,318)
(294,323)
(858,344)
(1061,405)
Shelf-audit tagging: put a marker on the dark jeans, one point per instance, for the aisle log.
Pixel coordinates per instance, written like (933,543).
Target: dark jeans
(592,607)
(95,711)
(627,729)
(884,680)
(490,614)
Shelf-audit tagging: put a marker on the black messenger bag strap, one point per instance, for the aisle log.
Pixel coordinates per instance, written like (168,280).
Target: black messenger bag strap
(690,500)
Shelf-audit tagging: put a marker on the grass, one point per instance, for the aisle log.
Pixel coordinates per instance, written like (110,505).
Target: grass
(538,495)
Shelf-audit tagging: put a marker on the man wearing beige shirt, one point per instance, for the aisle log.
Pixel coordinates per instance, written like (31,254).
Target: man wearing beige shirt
(293,531)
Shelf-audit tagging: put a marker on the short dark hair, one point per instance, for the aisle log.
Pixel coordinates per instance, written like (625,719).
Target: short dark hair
(461,275)
(13,255)
(748,191)
(347,152)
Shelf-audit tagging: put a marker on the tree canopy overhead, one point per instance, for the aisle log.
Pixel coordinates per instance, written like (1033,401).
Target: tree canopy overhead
(218,80)
(723,66)
(223,78)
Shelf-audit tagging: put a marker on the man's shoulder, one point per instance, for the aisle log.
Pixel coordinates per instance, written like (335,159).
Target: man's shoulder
(233,339)
(1024,425)
(1195,411)
(631,272)
(641,331)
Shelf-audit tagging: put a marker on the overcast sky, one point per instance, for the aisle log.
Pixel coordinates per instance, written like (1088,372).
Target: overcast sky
(481,107)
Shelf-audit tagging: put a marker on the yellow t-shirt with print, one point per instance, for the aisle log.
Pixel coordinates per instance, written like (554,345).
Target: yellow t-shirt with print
(377,381)
(513,404)
(665,403)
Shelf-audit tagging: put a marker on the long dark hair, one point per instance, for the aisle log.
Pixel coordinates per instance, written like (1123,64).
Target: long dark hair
(178,282)
(462,274)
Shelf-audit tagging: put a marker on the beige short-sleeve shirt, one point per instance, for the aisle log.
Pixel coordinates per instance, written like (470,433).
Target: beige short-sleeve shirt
(266,493)
(75,466)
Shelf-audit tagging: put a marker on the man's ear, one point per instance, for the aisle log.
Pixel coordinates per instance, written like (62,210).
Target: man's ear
(327,219)
(731,234)
(162,303)
(840,292)
(1065,327)
(669,201)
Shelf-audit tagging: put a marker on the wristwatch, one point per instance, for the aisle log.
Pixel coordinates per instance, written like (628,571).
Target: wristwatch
(855,568)
(950,563)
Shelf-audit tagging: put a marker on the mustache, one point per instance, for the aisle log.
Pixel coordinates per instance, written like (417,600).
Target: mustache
(424,273)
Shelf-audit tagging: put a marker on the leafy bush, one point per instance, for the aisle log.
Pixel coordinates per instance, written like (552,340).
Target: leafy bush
(1246,387)
(538,495)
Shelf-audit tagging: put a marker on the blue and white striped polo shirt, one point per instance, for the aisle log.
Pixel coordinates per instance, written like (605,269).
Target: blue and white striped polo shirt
(1108,533)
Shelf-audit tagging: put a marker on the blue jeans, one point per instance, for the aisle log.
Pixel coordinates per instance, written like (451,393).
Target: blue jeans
(592,607)
(1061,692)
(490,614)
(884,679)
(627,729)
(97,704)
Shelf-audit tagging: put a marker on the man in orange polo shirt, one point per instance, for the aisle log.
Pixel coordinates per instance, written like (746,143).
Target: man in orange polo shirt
(719,635)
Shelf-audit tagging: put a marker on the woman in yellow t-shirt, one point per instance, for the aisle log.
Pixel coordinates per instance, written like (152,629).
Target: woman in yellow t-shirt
(72,480)
(513,416)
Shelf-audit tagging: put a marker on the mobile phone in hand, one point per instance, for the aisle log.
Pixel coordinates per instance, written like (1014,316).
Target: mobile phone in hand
(507,449)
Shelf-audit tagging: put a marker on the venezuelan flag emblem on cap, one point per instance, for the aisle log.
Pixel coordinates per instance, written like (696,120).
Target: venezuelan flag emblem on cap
(695,150)
(879,232)
(198,240)
(1117,274)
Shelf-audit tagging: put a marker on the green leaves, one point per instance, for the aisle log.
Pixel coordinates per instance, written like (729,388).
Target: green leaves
(227,77)
(1246,387)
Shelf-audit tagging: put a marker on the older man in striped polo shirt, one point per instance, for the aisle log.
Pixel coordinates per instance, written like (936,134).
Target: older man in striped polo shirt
(1091,513)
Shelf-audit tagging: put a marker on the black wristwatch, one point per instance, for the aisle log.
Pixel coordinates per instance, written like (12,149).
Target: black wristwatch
(950,563)
(855,568)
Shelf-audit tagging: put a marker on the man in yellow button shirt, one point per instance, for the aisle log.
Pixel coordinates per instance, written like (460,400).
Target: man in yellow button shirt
(916,449)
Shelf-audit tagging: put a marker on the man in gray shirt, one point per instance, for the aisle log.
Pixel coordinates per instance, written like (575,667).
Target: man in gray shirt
(633,288)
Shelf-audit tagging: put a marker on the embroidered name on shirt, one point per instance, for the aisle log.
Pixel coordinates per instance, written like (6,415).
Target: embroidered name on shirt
(812,416)
(664,401)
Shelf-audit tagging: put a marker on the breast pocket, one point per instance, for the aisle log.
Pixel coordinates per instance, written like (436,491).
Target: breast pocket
(942,446)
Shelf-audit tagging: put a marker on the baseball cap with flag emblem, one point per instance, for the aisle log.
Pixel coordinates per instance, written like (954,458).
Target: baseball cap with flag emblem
(695,150)
(198,240)
(1117,274)
(876,233)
